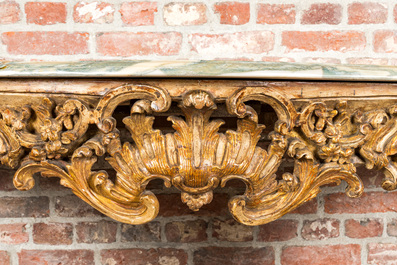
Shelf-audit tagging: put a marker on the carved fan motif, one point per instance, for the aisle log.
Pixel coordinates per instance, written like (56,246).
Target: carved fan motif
(196,158)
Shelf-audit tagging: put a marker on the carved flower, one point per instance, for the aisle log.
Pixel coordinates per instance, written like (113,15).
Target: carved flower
(345,155)
(50,130)
(330,152)
(55,149)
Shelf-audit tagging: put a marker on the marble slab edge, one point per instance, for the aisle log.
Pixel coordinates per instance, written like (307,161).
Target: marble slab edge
(197,69)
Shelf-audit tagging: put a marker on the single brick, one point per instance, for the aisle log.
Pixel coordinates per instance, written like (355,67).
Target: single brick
(186,231)
(9,12)
(141,43)
(56,257)
(50,184)
(306,208)
(279,230)
(138,13)
(48,42)
(321,60)
(367,13)
(233,256)
(7,177)
(13,234)
(370,178)
(93,12)
(385,41)
(369,202)
(53,233)
(322,255)
(394,13)
(367,61)
(392,228)
(276,14)
(5,258)
(320,229)
(382,254)
(24,207)
(171,205)
(150,232)
(233,13)
(73,206)
(277,59)
(232,44)
(144,256)
(231,230)
(342,41)
(322,13)
(96,232)
(363,228)
(185,14)
(45,13)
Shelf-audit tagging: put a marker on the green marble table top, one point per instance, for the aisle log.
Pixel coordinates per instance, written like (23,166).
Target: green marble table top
(199,69)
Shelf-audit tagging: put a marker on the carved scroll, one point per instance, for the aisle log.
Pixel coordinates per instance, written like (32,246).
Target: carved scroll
(196,157)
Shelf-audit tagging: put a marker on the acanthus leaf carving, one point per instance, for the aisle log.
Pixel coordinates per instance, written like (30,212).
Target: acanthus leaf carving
(196,157)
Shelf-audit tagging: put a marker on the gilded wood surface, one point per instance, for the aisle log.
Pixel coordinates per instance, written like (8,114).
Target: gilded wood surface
(324,137)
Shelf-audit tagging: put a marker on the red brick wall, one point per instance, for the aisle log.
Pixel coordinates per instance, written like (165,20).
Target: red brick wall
(355,32)
(49,225)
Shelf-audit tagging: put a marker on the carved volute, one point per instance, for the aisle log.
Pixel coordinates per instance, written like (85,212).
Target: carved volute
(323,139)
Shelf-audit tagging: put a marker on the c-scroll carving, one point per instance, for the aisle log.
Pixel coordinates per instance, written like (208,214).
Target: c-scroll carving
(196,158)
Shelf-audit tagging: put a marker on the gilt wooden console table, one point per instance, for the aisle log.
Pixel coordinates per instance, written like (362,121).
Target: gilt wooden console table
(60,119)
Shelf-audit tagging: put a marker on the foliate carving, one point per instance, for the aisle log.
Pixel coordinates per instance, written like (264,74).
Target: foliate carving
(196,158)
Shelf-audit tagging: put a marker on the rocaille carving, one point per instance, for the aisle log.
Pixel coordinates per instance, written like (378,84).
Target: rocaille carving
(196,158)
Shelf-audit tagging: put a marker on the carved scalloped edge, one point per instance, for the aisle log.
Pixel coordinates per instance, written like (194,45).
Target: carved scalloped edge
(196,158)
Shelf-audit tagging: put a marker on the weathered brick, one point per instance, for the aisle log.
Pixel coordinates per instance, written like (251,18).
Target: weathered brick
(233,256)
(341,41)
(171,205)
(279,230)
(322,13)
(367,61)
(367,13)
(186,231)
(385,41)
(45,13)
(230,230)
(73,206)
(363,228)
(320,229)
(5,258)
(277,59)
(394,13)
(141,43)
(138,13)
(143,256)
(9,12)
(322,255)
(233,13)
(370,178)
(185,14)
(306,208)
(392,227)
(369,202)
(53,233)
(93,12)
(56,257)
(321,60)
(48,42)
(276,14)
(7,176)
(24,207)
(231,44)
(96,232)
(13,234)
(150,232)
(382,254)
(50,184)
